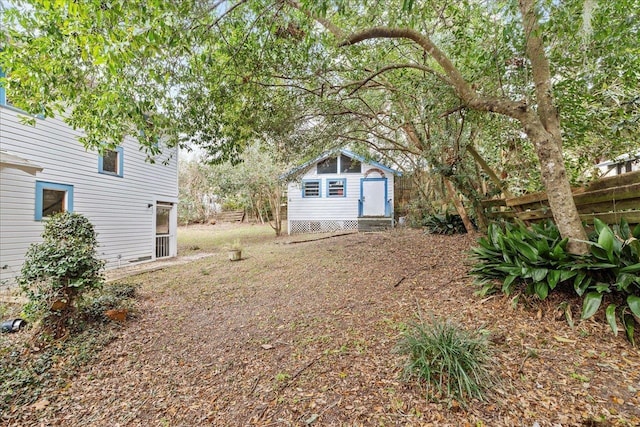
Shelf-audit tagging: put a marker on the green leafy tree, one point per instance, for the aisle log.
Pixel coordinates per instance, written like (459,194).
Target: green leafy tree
(195,192)
(253,183)
(385,74)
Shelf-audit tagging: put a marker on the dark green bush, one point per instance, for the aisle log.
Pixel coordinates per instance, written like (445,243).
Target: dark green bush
(517,255)
(452,362)
(444,224)
(59,270)
(536,258)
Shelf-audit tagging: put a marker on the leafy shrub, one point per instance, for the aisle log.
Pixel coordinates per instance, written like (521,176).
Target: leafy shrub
(59,270)
(444,224)
(612,268)
(516,255)
(536,257)
(452,361)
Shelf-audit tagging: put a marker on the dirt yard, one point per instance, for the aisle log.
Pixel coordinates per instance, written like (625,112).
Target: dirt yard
(304,334)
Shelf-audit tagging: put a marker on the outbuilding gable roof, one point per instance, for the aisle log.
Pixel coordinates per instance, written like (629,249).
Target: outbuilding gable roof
(305,166)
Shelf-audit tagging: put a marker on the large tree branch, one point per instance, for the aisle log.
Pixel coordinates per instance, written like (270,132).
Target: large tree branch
(463,89)
(540,69)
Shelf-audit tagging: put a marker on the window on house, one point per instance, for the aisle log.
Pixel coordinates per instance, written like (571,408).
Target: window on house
(52,198)
(111,162)
(329,165)
(336,188)
(311,188)
(349,165)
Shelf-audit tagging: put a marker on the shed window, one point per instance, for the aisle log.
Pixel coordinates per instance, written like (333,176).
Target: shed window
(329,165)
(111,162)
(52,198)
(336,188)
(349,165)
(311,188)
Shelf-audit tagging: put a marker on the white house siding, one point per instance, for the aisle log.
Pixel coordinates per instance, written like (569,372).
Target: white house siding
(325,208)
(117,206)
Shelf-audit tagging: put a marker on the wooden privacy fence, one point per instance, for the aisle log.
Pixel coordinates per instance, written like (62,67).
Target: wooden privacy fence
(230,216)
(609,199)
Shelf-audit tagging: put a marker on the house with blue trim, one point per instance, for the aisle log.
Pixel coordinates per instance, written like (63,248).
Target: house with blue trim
(44,169)
(339,190)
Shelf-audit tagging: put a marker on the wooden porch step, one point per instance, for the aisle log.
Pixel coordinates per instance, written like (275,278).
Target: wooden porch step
(374,224)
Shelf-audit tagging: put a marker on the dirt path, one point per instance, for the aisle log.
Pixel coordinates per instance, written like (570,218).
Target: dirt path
(304,334)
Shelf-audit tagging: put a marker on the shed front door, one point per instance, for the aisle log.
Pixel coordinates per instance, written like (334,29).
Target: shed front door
(373,196)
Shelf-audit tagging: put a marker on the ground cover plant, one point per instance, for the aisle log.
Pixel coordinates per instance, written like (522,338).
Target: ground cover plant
(535,258)
(306,333)
(32,371)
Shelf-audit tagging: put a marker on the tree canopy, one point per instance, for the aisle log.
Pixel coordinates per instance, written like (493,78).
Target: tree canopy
(521,83)
(220,73)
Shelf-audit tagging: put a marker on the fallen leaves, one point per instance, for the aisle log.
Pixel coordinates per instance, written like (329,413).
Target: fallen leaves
(208,349)
(564,340)
(40,404)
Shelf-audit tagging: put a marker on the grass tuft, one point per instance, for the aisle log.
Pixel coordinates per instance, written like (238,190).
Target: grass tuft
(451,361)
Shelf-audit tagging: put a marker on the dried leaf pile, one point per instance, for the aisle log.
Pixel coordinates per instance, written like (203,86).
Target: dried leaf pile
(304,334)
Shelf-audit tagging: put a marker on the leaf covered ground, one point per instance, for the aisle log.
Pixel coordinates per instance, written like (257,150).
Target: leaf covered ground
(305,334)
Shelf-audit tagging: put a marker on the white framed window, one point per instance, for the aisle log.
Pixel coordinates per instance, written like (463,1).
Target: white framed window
(111,162)
(311,188)
(52,198)
(337,187)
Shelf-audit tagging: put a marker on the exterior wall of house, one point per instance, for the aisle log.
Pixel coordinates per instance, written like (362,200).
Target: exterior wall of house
(122,209)
(329,213)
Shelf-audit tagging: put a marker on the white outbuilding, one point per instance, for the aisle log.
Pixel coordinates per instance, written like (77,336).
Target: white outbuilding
(339,190)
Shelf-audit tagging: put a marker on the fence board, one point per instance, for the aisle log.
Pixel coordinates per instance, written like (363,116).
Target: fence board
(608,199)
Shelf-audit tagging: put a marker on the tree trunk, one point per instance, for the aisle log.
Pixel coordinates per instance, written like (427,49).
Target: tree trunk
(543,129)
(275,197)
(556,183)
(459,207)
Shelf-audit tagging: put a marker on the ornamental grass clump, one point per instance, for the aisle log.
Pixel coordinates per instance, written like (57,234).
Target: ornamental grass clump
(451,361)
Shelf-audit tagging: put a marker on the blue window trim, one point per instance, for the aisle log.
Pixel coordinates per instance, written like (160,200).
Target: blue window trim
(3,100)
(3,91)
(344,187)
(120,174)
(304,183)
(43,185)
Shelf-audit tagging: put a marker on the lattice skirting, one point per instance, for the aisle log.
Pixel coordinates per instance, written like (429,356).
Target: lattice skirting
(299,227)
